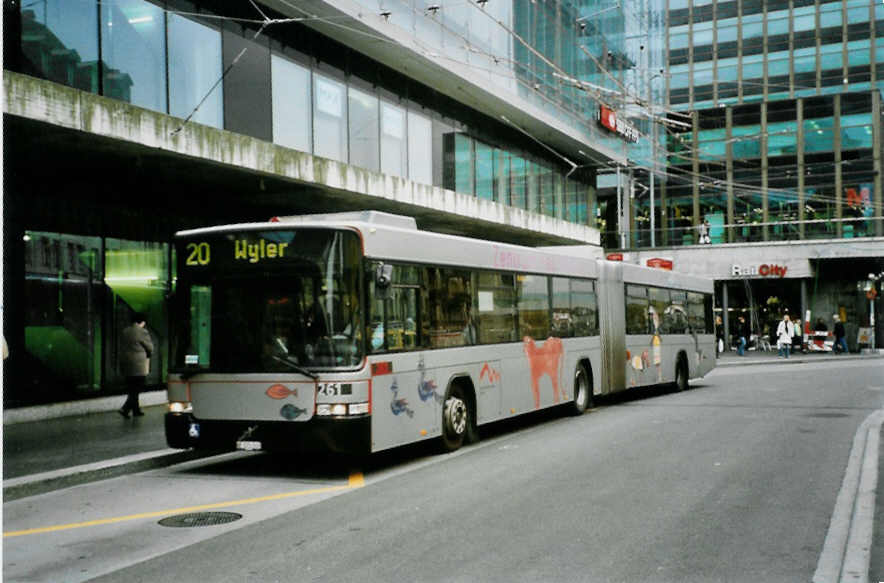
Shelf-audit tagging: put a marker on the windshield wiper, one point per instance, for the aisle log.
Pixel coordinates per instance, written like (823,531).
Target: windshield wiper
(297,367)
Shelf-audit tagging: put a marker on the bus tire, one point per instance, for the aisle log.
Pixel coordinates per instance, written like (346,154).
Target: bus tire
(455,418)
(582,391)
(681,374)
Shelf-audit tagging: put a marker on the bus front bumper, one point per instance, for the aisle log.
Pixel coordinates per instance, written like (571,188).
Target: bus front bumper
(340,435)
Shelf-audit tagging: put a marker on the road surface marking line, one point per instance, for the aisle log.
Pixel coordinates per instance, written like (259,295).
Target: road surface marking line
(356,480)
(849,532)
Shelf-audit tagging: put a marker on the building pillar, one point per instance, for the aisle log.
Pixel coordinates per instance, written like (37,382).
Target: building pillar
(876,155)
(740,51)
(664,214)
(695,167)
(729,149)
(803,284)
(836,147)
(725,320)
(765,203)
(792,48)
(799,121)
(819,44)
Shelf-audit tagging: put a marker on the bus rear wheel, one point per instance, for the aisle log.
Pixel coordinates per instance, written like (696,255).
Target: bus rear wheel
(582,392)
(455,419)
(681,374)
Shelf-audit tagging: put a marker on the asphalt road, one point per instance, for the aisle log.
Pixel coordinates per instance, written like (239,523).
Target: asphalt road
(734,480)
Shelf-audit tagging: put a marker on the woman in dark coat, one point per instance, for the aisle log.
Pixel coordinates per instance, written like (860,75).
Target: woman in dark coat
(135,350)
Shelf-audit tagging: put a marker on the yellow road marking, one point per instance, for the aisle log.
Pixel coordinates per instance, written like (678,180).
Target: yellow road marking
(356,480)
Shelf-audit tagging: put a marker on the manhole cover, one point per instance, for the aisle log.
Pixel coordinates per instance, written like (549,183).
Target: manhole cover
(200,519)
(828,415)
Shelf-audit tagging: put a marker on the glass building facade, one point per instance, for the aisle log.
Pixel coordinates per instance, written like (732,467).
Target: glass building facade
(781,132)
(84,275)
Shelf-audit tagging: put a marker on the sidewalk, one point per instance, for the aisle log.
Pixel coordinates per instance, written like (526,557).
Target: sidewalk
(770,357)
(48,452)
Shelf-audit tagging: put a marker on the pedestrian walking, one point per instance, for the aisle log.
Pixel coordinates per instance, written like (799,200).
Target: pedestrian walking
(135,350)
(785,331)
(840,336)
(742,336)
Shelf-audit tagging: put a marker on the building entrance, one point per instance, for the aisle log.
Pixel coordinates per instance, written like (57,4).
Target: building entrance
(762,302)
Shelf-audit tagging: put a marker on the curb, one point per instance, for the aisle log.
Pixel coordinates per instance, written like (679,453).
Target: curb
(25,486)
(847,549)
(82,407)
(798,360)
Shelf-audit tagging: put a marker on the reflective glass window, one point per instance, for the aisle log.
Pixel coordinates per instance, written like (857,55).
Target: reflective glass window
(194,69)
(420,148)
(584,308)
(463,164)
(448,313)
(533,304)
(133,49)
(290,84)
(562,324)
(636,309)
(59,42)
(394,148)
(496,308)
(501,176)
(329,118)
(518,166)
(484,171)
(363,133)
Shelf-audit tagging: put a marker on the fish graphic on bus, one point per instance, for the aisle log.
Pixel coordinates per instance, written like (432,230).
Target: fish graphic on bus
(397,405)
(426,388)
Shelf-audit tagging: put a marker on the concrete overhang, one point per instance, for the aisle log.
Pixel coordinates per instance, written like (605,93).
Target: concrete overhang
(105,134)
(373,35)
(736,260)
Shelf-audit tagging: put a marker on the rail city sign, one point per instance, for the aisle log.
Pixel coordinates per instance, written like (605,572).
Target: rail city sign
(608,119)
(763,270)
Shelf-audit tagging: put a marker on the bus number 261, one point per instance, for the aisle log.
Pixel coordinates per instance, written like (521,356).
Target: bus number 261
(198,254)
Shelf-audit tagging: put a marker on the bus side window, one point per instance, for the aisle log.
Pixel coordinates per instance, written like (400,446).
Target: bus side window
(584,307)
(636,309)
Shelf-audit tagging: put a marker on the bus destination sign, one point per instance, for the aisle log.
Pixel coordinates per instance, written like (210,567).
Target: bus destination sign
(239,249)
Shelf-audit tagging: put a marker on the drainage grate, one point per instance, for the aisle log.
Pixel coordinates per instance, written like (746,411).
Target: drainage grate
(200,519)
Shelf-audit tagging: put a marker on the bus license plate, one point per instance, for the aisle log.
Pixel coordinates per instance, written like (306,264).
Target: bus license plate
(248,445)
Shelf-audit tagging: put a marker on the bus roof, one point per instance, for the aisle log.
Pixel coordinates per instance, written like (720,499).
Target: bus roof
(396,238)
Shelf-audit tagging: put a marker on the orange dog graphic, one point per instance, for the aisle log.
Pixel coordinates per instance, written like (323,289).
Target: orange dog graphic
(546,360)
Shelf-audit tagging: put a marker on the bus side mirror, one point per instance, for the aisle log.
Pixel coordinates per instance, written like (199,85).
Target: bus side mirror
(383,276)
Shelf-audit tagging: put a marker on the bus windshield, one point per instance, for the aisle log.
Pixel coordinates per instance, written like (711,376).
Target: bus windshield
(268,301)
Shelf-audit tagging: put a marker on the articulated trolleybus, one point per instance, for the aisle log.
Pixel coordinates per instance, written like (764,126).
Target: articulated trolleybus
(358,332)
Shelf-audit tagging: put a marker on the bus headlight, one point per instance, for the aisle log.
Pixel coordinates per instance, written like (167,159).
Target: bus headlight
(359,408)
(341,409)
(180,407)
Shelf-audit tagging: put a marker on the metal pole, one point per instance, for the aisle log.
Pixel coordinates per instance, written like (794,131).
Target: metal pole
(619,209)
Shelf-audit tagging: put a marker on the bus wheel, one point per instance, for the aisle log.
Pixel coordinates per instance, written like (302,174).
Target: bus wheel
(455,419)
(681,374)
(582,391)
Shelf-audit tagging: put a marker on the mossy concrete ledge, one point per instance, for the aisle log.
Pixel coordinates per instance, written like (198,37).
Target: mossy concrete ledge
(59,105)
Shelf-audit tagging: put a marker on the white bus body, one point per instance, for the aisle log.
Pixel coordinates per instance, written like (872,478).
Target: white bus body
(434,336)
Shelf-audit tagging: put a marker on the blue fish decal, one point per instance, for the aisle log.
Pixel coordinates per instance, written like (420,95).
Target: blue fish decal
(397,405)
(291,412)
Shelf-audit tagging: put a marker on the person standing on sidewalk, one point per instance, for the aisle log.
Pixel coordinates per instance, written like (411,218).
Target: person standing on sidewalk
(840,336)
(135,350)
(742,336)
(785,331)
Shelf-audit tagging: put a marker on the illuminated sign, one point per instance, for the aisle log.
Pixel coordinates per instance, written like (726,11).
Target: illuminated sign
(254,252)
(659,263)
(763,270)
(608,119)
